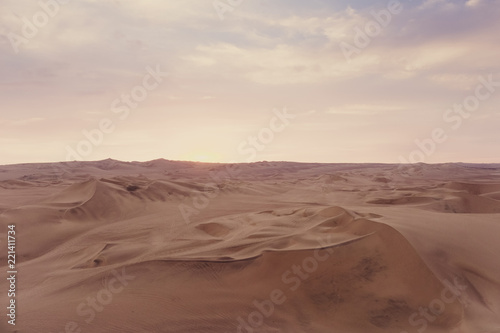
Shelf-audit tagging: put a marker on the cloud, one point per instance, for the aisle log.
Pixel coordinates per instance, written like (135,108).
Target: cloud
(443,4)
(364,109)
(472,3)
(283,64)
(263,56)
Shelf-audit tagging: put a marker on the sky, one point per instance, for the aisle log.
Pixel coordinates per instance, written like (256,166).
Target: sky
(250,80)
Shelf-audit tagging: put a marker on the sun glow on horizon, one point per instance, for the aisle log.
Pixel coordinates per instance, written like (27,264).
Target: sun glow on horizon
(202,156)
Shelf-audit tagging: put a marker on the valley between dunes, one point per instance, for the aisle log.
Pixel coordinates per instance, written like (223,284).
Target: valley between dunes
(167,246)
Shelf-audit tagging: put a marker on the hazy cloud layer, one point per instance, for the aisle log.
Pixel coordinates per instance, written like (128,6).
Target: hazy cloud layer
(226,76)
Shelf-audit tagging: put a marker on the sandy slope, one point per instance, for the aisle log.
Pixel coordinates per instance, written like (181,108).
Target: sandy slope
(170,246)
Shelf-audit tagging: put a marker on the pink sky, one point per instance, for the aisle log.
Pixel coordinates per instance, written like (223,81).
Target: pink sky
(408,91)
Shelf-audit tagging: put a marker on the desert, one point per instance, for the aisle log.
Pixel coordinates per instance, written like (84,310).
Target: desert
(249,166)
(170,246)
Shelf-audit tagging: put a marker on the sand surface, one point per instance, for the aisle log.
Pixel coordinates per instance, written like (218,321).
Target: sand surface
(167,246)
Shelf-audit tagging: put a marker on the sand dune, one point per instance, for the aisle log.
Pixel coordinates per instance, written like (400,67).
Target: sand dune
(168,246)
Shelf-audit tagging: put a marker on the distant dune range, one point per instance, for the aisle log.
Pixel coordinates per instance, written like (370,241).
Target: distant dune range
(166,246)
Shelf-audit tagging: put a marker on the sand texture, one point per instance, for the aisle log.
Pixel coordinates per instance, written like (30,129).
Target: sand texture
(168,246)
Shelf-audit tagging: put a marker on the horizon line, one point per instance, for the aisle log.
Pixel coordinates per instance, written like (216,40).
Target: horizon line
(263,161)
